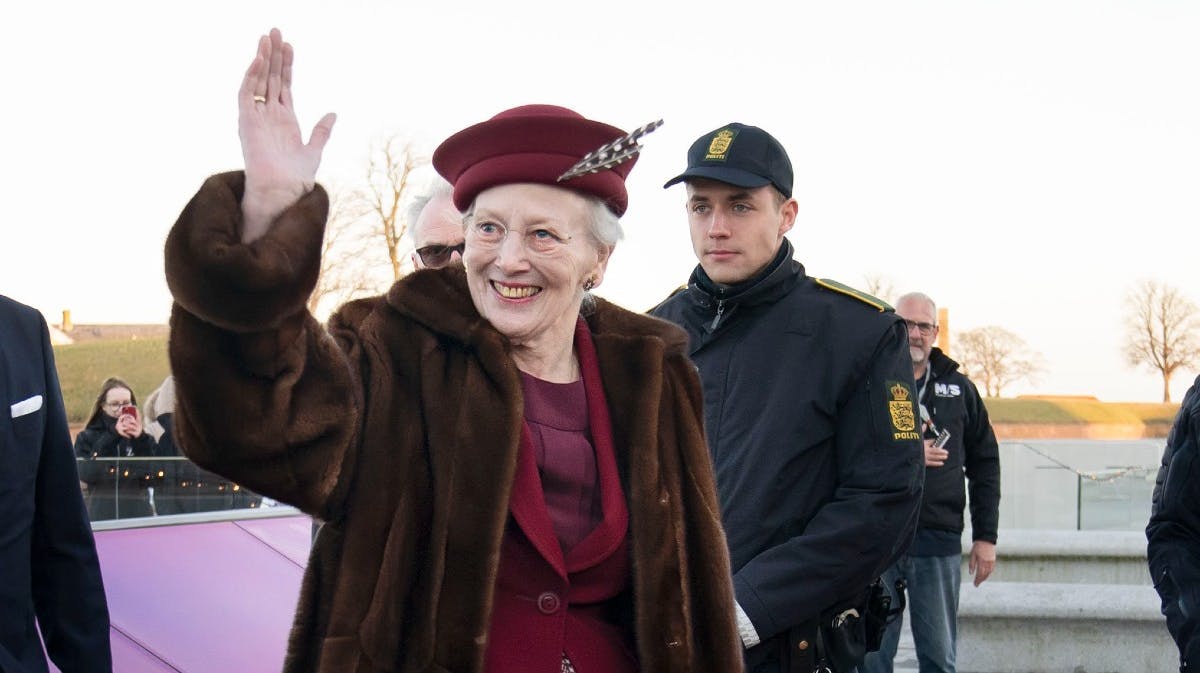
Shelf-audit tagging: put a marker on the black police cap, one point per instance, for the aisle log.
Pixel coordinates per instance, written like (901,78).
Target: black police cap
(740,155)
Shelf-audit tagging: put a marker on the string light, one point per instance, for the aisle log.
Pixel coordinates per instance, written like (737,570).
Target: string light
(1098,476)
(123,472)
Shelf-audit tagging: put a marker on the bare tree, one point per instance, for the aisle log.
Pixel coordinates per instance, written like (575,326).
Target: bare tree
(388,173)
(1160,329)
(878,285)
(348,267)
(997,358)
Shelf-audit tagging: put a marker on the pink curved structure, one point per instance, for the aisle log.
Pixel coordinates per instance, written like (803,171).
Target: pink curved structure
(202,597)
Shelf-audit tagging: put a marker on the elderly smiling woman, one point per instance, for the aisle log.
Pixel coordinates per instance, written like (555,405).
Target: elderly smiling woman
(513,474)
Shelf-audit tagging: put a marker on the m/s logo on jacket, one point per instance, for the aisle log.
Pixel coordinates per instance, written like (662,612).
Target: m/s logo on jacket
(946,390)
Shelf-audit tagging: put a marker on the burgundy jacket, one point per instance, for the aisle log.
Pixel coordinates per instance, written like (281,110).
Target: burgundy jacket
(547,603)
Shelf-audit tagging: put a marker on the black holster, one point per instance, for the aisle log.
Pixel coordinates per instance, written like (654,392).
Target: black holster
(847,633)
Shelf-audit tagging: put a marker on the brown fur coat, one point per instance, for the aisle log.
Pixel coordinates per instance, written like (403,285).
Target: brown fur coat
(399,426)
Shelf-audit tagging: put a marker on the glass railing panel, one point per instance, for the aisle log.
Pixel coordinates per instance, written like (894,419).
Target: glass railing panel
(1115,499)
(129,487)
(1077,484)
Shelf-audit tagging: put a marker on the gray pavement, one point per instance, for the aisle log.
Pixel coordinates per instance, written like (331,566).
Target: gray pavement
(906,654)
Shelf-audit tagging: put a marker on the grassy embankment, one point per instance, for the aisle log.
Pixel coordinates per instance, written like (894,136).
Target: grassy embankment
(83,367)
(143,363)
(1062,412)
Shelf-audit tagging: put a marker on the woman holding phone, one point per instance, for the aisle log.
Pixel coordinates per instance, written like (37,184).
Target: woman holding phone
(115,426)
(114,430)
(511,472)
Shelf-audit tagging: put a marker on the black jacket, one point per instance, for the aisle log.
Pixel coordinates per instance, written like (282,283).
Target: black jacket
(811,421)
(955,405)
(1174,529)
(48,564)
(116,489)
(100,440)
(166,443)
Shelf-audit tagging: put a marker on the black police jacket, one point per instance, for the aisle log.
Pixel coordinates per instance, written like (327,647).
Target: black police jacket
(954,404)
(1174,529)
(811,421)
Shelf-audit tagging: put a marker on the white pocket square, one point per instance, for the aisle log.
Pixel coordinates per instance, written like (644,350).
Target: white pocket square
(26,407)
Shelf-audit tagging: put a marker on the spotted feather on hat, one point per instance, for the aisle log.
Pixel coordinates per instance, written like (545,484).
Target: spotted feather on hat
(610,154)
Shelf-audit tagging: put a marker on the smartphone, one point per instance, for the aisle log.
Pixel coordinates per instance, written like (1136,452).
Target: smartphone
(128,410)
(942,438)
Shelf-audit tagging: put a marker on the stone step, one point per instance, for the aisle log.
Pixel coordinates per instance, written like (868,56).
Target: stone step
(1048,627)
(1067,556)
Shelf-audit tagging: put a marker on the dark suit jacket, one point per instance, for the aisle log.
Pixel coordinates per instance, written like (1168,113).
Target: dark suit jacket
(48,564)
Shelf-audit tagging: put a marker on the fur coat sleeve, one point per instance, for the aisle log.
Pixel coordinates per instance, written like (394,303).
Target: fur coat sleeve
(244,349)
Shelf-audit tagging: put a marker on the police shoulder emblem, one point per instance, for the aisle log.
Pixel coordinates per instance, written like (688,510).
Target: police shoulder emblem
(718,147)
(902,411)
(830,284)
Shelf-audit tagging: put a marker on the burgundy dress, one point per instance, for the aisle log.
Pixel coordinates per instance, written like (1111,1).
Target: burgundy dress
(564,559)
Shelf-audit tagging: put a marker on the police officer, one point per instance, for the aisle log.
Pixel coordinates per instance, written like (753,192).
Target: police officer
(809,405)
(1174,531)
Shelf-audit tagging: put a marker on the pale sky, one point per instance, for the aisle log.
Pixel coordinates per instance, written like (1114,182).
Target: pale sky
(1024,163)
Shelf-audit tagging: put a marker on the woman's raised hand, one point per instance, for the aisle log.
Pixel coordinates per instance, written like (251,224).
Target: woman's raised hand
(280,166)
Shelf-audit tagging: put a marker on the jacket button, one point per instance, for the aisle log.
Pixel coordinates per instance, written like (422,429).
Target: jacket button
(803,645)
(548,603)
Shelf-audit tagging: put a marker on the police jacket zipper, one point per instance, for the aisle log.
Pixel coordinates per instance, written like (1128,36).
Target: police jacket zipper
(717,317)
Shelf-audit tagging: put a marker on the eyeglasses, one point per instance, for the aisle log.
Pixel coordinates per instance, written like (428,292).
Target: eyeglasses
(925,328)
(542,241)
(437,256)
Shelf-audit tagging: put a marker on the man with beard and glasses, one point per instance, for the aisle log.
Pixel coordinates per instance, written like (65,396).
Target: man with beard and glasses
(949,405)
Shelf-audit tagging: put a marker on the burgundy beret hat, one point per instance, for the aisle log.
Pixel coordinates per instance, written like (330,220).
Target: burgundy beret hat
(531,143)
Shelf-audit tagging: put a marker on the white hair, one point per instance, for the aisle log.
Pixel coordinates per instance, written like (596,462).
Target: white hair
(920,296)
(438,188)
(603,223)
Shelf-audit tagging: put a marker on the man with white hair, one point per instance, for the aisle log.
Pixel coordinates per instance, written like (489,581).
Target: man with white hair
(950,406)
